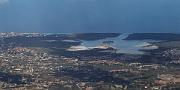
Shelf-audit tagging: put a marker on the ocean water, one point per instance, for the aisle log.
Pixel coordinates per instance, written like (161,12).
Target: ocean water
(80,16)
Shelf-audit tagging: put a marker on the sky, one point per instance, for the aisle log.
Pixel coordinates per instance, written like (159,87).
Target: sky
(74,16)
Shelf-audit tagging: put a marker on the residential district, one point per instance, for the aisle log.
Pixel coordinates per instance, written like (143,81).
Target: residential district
(30,65)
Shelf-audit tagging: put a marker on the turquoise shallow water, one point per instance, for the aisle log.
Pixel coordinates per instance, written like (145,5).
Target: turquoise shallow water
(122,46)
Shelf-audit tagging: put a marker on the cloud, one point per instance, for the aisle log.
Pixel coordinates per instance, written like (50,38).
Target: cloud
(3,1)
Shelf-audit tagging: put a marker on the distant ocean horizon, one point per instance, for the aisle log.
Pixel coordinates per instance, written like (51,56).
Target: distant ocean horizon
(85,16)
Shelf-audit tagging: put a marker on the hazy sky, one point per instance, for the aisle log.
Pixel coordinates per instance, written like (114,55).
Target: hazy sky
(69,16)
